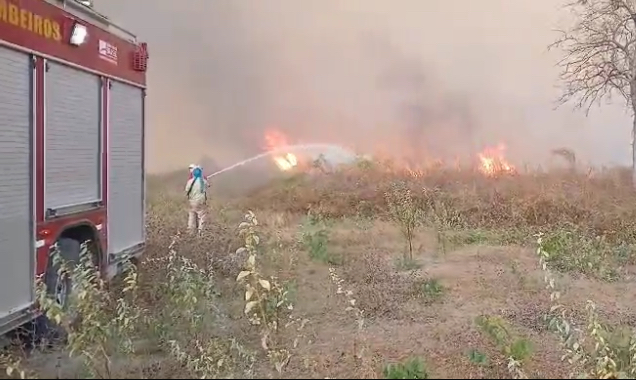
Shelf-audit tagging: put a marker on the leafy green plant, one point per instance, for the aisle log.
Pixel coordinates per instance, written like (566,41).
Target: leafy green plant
(477,357)
(431,290)
(602,350)
(574,252)
(412,368)
(315,238)
(94,335)
(105,322)
(266,299)
(186,323)
(515,348)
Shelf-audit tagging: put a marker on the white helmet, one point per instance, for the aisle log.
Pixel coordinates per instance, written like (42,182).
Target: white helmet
(192,166)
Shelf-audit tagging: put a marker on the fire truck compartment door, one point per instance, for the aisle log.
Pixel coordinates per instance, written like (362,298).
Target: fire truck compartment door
(125,168)
(72,137)
(16,186)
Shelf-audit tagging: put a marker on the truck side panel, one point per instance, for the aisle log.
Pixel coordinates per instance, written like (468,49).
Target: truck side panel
(72,137)
(126,186)
(16,182)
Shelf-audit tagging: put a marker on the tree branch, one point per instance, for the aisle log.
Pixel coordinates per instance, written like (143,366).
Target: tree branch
(598,49)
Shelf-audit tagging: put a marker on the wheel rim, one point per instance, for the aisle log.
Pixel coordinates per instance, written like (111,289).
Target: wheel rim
(61,289)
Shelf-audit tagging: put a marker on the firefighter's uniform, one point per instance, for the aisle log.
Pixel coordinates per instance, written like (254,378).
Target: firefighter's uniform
(196,192)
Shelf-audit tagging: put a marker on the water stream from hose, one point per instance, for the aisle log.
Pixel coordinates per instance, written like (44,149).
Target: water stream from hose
(330,151)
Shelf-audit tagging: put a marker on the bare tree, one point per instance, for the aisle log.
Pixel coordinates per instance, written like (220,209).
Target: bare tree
(599,62)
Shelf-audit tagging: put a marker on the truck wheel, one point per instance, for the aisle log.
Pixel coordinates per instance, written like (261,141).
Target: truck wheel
(60,286)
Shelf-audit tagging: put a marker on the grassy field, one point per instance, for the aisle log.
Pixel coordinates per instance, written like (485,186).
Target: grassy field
(368,272)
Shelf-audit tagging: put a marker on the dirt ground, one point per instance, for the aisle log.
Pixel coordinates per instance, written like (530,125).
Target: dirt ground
(476,280)
(427,309)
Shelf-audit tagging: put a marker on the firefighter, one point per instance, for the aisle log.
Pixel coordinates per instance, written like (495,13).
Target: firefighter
(196,192)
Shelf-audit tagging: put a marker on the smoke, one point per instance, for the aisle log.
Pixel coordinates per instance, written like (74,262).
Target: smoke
(417,78)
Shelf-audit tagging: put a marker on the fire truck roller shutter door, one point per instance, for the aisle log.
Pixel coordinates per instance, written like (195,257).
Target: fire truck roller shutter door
(16,186)
(125,168)
(72,137)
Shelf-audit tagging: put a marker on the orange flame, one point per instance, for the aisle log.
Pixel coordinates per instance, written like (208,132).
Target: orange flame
(275,141)
(493,163)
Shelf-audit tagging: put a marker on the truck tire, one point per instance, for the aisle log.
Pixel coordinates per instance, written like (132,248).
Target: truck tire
(60,287)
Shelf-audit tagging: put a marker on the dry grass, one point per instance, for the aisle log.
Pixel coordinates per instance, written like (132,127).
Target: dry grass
(327,284)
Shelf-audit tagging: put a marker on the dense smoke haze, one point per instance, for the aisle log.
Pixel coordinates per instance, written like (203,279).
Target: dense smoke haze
(432,78)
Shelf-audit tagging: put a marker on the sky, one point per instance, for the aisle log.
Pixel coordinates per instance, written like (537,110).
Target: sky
(416,78)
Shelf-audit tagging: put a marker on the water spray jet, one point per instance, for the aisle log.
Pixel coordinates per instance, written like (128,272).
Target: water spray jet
(333,150)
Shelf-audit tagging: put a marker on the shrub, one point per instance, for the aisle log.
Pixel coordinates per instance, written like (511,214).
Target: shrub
(315,238)
(611,351)
(405,212)
(105,324)
(430,290)
(515,348)
(266,302)
(93,334)
(412,368)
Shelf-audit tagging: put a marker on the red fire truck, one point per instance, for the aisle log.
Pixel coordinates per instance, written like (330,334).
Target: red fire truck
(72,119)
